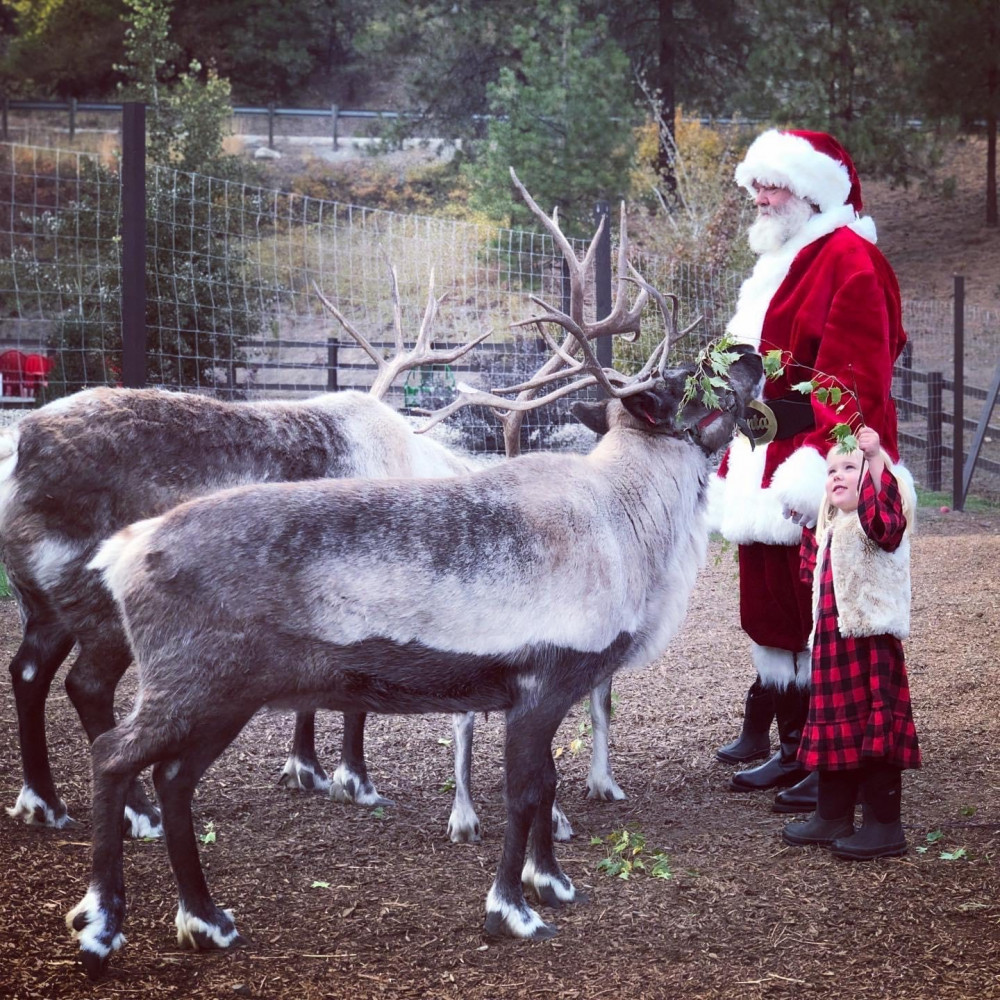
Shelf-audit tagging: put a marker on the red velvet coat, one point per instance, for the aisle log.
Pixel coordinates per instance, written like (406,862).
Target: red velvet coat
(837,312)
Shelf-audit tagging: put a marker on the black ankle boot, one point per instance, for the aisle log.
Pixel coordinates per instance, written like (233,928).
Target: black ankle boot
(783,769)
(754,741)
(881,834)
(817,830)
(873,840)
(800,798)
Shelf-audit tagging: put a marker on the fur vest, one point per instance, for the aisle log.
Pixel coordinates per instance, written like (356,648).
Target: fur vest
(871,586)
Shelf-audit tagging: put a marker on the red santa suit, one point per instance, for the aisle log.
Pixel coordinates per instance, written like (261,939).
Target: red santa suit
(829,302)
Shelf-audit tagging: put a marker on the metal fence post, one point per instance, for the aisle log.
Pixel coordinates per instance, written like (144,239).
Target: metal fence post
(72,119)
(270,126)
(334,112)
(935,382)
(133,233)
(958,435)
(332,351)
(602,280)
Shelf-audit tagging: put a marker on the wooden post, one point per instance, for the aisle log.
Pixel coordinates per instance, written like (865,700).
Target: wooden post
(958,435)
(934,418)
(905,400)
(133,296)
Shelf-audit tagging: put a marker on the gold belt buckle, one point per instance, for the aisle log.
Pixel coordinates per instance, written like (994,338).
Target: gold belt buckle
(762,422)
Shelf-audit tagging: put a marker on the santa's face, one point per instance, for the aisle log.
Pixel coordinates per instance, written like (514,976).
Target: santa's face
(780,215)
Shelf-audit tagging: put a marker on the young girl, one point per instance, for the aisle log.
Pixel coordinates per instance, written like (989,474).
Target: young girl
(860,734)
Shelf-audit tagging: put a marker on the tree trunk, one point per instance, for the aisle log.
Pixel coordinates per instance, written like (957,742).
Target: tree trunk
(991,169)
(665,86)
(992,88)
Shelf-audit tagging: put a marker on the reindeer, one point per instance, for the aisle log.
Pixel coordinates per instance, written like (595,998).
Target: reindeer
(80,468)
(528,583)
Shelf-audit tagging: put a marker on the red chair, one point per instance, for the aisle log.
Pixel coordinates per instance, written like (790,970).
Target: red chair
(36,372)
(12,372)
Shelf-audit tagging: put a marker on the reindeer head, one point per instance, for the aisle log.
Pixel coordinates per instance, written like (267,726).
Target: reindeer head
(661,407)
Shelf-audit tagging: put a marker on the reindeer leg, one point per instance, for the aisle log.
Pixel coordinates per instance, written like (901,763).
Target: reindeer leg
(91,684)
(601,782)
(303,770)
(541,872)
(531,788)
(43,649)
(96,921)
(463,824)
(201,924)
(350,781)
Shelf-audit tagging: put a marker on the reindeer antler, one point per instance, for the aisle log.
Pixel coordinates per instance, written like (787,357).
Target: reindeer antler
(563,364)
(421,354)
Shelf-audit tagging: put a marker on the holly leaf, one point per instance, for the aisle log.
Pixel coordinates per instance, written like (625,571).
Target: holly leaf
(773,368)
(845,439)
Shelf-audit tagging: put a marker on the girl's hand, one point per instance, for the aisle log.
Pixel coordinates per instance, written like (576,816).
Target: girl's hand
(868,442)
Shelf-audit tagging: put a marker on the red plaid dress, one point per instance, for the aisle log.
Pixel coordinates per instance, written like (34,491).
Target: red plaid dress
(859,706)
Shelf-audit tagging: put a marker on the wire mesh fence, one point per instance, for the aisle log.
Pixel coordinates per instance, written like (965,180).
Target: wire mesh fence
(232,273)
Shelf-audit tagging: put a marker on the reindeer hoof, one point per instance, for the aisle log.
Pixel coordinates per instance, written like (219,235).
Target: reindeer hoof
(348,787)
(497,926)
(93,925)
(142,826)
(551,888)
(303,776)
(207,935)
(514,918)
(94,965)
(605,792)
(35,811)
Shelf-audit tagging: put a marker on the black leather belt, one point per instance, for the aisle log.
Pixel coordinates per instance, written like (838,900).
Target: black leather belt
(794,413)
(778,419)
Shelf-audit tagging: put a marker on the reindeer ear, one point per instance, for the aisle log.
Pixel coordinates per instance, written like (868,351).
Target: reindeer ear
(747,372)
(592,415)
(650,408)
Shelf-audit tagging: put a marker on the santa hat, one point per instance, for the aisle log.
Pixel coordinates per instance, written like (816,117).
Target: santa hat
(812,165)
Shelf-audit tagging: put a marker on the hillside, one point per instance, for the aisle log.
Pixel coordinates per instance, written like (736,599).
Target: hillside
(934,230)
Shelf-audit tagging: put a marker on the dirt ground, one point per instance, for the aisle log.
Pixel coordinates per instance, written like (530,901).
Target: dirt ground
(338,901)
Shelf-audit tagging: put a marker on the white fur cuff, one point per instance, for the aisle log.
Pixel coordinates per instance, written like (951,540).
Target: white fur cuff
(800,481)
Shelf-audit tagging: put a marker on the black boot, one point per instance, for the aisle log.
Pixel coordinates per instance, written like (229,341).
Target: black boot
(834,816)
(754,742)
(800,798)
(783,769)
(881,834)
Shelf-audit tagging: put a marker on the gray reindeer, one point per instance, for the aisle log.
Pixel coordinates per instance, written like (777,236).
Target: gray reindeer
(527,584)
(75,471)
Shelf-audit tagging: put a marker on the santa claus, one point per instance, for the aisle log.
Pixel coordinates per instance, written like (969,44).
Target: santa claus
(823,296)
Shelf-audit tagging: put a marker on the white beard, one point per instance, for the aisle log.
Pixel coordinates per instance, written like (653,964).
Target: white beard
(775,228)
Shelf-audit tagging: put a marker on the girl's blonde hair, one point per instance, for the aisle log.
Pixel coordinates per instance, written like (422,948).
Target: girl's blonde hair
(906,489)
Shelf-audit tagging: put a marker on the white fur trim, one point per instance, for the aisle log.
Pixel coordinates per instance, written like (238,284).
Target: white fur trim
(800,481)
(776,668)
(789,161)
(772,268)
(740,509)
